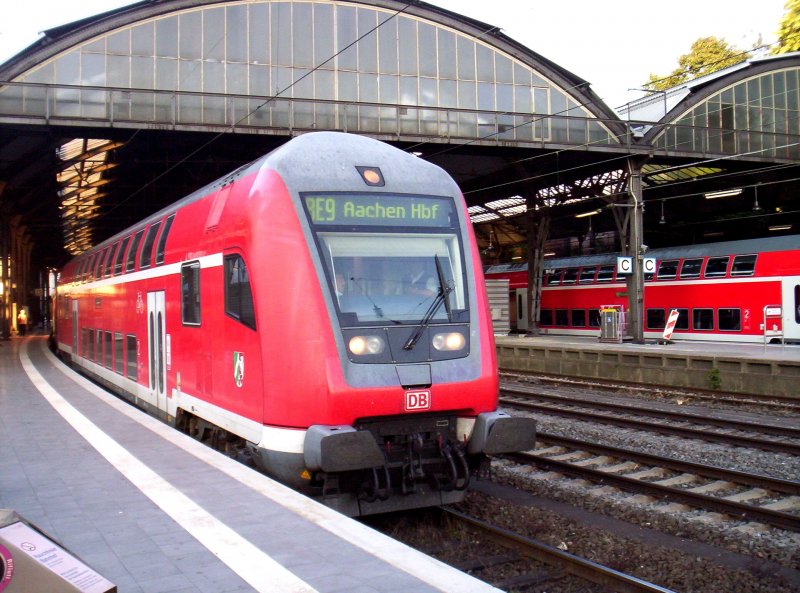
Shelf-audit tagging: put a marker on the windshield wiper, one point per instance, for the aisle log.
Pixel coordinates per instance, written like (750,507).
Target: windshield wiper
(442,297)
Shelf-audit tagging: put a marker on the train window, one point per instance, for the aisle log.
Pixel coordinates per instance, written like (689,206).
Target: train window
(546,317)
(656,319)
(703,319)
(690,268)
(562,318)
(683,319)
(90,343)
(667,269)
(190,293)
(131,348)
(98,346)
(98,267)
(717,267)
(119,361)
(554,277)
(130,262)
(238,295)
(578,318)
(570,276)
(797,303)
(87,273)
(162,240)
(108,345)
(594,318)
(587,274)
(730,320)
(110,260)
(605,274)
(120,256)
(743,265)
(146,256)
(84,342)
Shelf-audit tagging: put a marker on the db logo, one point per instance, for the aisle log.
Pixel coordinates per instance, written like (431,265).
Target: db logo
(418,400)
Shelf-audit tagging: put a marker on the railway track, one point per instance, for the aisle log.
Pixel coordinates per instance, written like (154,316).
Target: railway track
(728,431)
(561,561)
(682,395)
(744,496)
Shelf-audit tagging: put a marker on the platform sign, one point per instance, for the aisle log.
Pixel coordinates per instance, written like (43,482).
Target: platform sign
(649,265)
(671,321)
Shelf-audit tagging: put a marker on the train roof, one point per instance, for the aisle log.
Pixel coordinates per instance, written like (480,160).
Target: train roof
(767,244)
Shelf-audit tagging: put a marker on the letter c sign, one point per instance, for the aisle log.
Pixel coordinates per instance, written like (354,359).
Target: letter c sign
(624,265)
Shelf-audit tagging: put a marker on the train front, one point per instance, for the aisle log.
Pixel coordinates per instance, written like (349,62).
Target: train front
(413,413)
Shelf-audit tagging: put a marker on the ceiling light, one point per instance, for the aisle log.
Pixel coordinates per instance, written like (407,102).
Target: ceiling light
(727,193)
(592,213)
(780,227)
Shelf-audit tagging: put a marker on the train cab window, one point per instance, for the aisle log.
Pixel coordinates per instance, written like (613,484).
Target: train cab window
(656,319)
(130,261)
(562,318)
(703,319)
(162,240)
(130,357)
(108,349)
(690,268)
(587,274)
(594,318)
(120,256)
(605,274)
(146,257)
(717,267)
(546,317)
(119,361)
(109,267)
(190,293)
(729,320)
(578,317)
(570,276)
(238,295)
(667,269)
(554,277)
(744,265)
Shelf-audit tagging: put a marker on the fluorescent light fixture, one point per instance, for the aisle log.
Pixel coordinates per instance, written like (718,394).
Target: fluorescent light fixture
(550,254)
(727,193)
(592,213)
(780,227)
(517,257)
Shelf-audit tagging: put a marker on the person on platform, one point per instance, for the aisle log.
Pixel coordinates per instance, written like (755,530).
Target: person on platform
(22,322)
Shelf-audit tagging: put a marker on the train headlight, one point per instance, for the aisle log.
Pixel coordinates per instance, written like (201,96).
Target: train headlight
(361,345)
(449,342)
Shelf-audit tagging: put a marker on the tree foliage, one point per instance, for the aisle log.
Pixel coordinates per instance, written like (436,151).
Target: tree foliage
(707,55)
(789,32)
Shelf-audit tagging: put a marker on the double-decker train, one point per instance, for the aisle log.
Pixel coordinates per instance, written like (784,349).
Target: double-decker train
(320,312)
(745,291)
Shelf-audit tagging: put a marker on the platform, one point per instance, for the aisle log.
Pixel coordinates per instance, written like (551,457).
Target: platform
(732,367)
(154,511)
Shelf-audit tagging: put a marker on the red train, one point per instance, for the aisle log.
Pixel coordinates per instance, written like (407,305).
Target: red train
(274,314)
(729,291)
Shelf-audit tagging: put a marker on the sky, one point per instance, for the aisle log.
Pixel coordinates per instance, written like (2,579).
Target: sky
(613,44)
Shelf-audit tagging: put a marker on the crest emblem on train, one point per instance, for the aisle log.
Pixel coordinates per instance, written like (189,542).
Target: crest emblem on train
(238,368)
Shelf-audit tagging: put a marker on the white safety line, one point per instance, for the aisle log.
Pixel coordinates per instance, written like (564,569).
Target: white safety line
(402,557)
(246,560)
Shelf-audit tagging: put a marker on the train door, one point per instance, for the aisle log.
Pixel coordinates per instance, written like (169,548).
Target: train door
(156,334)
(522,309)
(791,308)
(75,331)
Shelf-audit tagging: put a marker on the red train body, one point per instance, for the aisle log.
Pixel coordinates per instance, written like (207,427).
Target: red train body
(267,312)
(721,291)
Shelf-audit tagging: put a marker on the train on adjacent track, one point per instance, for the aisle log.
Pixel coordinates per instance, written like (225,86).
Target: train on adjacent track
(738,291)
(319,312)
